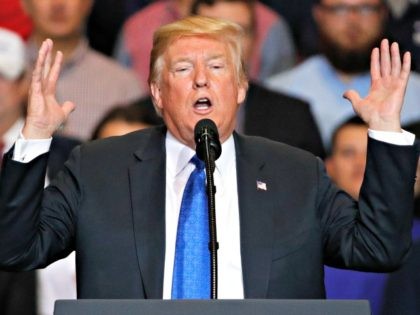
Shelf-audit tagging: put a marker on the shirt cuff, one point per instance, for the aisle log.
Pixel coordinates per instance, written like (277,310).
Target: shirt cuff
(27,150)
(397,138)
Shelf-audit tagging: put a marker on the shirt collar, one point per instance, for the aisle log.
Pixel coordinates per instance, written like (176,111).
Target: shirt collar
(178,155)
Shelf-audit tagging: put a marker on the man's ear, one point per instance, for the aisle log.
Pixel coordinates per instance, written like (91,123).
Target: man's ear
(243,88)
(156,97)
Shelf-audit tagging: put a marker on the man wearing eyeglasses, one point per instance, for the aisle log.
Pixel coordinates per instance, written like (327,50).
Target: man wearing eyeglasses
(348,30)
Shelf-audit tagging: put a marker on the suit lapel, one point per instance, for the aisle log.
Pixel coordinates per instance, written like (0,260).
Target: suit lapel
(256,226)
(147,184)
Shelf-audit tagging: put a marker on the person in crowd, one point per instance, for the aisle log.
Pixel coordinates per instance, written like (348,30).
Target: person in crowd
(346,161)
(273,52)
(348,31)
(28,293)
(94,81)
(121,120)
(117,201)
(135,40)
(265,113)
(346,164)
(299,17)
(106,19)
(104,24)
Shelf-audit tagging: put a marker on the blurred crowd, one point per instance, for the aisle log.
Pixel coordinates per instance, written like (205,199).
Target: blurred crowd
(301,56)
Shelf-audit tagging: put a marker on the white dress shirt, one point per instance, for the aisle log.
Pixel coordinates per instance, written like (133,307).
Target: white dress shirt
(178,170)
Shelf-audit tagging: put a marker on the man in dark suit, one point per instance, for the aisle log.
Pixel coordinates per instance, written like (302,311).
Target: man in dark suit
(280,217)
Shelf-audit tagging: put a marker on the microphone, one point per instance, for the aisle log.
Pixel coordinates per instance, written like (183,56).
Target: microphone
(206,134)
(208,149)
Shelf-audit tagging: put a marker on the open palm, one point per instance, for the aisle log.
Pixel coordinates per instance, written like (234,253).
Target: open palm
(381,108)
(44,113)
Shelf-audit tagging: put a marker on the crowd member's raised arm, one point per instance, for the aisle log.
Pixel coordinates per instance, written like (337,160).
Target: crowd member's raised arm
(381,108)
(45,114)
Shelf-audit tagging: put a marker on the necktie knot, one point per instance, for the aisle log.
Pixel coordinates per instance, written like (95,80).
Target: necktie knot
(199,164)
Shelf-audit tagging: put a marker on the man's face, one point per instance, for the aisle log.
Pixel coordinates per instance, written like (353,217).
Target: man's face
(238,12)
(12,95)
(350,27)
(198,80)
(347,163)
(58,19)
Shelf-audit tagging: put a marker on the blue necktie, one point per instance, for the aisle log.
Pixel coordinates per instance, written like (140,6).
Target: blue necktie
(191,277)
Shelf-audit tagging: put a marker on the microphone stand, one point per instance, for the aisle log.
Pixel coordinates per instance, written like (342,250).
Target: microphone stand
(211,191)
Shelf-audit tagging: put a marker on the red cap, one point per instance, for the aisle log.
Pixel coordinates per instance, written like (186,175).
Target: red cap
(14,18)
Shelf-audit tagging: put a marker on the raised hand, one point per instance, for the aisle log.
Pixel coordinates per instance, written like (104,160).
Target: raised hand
(44,114)
(381,108)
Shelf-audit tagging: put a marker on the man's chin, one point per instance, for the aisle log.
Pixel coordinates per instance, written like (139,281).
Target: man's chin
(346,58)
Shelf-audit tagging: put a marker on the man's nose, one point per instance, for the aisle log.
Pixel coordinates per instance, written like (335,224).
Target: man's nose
(200,78)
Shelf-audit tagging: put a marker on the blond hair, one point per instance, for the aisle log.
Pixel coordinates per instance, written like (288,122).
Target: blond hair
(192,26)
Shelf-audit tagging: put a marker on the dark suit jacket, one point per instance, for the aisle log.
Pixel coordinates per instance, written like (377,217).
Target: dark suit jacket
(18,289)
(109,206)
(281,118)
(17,293)
(403,289)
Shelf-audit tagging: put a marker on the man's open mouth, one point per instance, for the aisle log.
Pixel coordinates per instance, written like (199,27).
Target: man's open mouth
(202,103)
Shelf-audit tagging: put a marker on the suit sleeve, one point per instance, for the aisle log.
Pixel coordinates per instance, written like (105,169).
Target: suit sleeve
(374,234)
(37,225)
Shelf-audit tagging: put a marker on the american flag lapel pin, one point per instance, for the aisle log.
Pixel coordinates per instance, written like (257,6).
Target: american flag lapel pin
(261,185)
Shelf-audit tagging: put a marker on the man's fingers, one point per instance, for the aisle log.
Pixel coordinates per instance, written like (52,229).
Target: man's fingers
(385,58)
(47,64)
(375,68)
(395,60)
(51,80)
(352,96)
(68,107)
(37,72)
(406,67)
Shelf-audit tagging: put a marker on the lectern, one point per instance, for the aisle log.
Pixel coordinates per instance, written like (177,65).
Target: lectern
(212,307)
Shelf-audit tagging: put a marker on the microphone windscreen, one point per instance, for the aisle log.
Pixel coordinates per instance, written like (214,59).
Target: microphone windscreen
(203,126)
(207,129)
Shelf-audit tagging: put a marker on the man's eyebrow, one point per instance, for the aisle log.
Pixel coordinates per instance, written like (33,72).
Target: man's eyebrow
(218,56)
(181,59)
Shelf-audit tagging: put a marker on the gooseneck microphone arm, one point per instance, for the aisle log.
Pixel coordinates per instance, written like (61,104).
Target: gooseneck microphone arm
(213,244)
(208,148)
